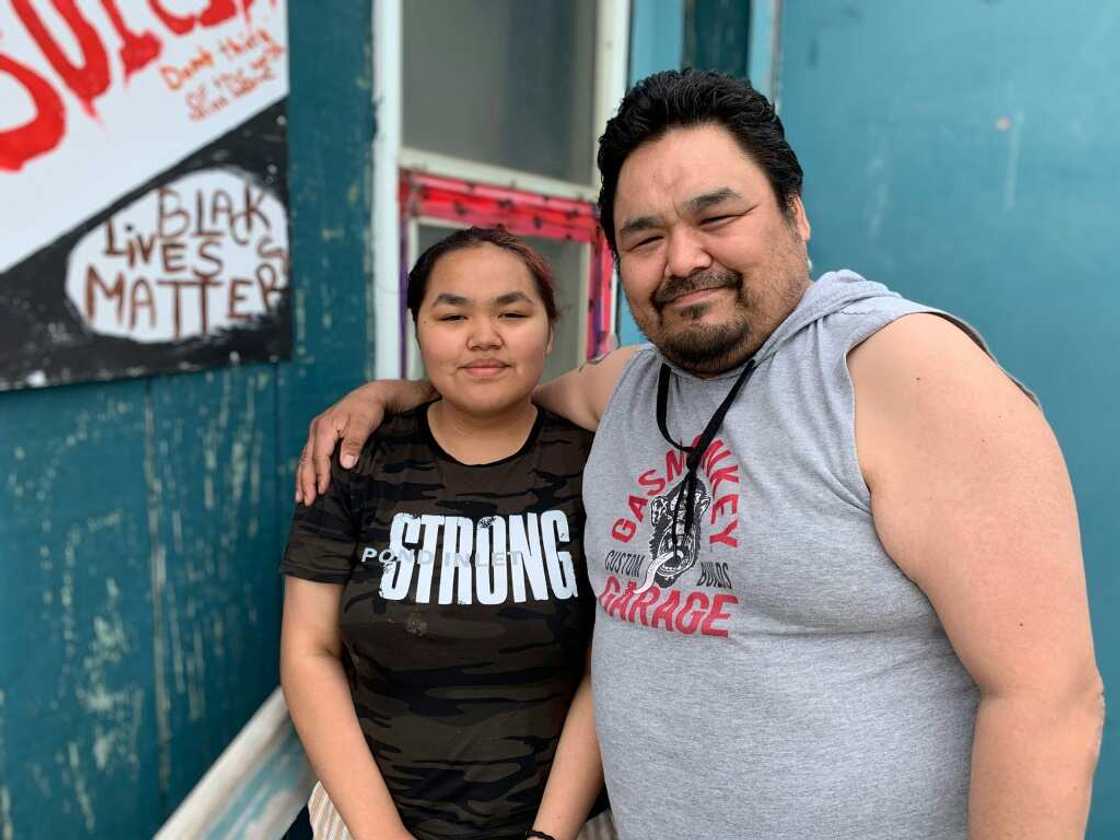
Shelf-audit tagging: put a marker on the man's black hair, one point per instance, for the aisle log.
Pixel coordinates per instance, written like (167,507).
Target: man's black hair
(675,98)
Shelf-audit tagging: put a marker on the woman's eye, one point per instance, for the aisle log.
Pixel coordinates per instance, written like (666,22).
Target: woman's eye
(514,315)
(451,317)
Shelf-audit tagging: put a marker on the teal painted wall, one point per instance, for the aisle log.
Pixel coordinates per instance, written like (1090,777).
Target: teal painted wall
(143,520)
(717,35)
(965,154)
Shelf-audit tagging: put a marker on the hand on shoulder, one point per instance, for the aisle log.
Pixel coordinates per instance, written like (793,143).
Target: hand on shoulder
(351,420)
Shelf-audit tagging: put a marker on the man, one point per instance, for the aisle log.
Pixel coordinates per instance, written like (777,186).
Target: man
(841,591)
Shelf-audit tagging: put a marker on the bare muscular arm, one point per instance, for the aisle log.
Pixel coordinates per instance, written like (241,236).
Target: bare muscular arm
(971,498)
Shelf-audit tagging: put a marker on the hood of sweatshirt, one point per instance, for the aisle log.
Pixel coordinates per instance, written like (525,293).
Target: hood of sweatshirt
(830,293)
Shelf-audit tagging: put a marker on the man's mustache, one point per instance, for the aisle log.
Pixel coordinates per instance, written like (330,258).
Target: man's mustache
(676,287)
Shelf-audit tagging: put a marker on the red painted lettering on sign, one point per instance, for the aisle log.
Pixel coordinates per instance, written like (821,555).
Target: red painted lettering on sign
(91,79)
(250,61)
(219,11)
(176,77)
(22,143)
(137,50)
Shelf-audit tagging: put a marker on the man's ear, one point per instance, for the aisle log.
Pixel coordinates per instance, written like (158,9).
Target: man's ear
(799,219)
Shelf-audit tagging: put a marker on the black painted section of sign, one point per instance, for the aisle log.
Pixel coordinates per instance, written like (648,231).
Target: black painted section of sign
(44,337)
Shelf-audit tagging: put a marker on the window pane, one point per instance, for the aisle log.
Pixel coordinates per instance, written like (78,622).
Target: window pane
(503,82)
(569,267)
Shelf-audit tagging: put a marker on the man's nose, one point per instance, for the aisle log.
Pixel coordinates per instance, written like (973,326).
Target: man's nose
(686,254)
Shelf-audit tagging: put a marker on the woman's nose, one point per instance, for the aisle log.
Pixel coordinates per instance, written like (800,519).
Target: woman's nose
(483,335)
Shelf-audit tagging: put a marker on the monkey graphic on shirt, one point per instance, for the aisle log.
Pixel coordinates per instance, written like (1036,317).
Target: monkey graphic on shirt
(672,551)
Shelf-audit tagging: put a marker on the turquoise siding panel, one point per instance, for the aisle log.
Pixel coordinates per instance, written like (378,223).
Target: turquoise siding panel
(216,524)
(77,734)
(330,137)
(717,35)
(965,153)
(760,55)
(143,520)
(656,36)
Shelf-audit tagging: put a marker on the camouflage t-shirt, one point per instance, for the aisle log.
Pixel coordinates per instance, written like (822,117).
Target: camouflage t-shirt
(465,616)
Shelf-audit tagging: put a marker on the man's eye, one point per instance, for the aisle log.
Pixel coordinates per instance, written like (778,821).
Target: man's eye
(716,219)
(649,240)
(450,317)
(514,315)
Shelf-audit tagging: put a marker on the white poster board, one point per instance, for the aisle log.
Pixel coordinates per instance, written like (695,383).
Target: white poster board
(143,196)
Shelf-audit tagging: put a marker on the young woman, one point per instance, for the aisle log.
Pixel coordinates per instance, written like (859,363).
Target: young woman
(437,615)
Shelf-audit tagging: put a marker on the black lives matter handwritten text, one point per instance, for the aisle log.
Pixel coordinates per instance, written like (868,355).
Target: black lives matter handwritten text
(195,257)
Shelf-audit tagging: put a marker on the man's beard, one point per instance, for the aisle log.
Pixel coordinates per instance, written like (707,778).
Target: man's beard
(703,348)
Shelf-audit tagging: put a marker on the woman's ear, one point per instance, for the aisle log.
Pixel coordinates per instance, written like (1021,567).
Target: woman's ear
(551,339)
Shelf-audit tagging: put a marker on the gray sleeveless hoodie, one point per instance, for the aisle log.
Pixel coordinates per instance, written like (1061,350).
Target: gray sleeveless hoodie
(773,674)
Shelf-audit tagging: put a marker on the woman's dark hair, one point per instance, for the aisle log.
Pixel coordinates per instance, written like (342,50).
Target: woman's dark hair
(472,238)
(675,98)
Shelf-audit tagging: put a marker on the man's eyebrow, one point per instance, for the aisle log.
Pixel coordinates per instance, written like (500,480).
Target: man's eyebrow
(706,200)
(697,204)
(639,224)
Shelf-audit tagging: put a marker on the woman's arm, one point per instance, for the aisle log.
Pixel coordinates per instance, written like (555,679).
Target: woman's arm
(577,771)
(322,710)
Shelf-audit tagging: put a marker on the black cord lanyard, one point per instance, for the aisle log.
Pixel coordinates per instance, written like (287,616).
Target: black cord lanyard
(696,452)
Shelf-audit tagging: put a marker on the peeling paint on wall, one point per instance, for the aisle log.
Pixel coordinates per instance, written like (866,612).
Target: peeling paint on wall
(147,517)
(7,830)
